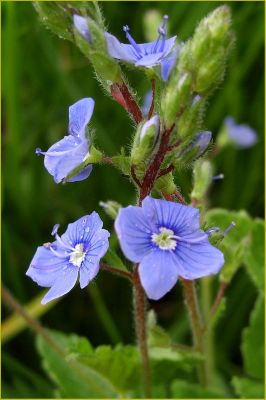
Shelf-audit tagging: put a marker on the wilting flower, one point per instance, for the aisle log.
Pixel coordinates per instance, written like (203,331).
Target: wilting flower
(166,240)
(76,253)
(242,135)
(67,154)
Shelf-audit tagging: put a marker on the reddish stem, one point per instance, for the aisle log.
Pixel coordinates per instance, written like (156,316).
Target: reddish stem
(153,98)
(218,298)
(166,171)
(122,95)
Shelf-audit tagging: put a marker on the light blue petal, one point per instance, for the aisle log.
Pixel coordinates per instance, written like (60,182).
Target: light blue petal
(81,24)
(79,116)
(180,218)
(149,60)
(196,260)
(148,48)
(64,283)
(134,229)
(158,273)
(168,63)
(83,230)
(98,247)
(84,174)
(243,135)
(45,267)
(64,156)
(119,50)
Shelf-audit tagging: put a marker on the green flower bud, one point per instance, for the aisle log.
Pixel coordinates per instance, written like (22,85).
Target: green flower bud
(145,140)
(111,208)
(209,48)
(202,177)
(176,97)
(165,184)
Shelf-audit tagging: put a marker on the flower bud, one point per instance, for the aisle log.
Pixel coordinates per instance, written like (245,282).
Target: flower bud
(202,177)
(110,207)
(165,184)
(177,95)
(210,46)
(195,149)
(189,122)
(145,140)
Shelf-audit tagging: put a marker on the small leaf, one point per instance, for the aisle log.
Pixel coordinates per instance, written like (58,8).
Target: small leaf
(248,388)
(114,260)
(253,342)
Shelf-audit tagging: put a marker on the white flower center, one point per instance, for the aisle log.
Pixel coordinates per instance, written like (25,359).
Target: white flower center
(77,255)
(165,240)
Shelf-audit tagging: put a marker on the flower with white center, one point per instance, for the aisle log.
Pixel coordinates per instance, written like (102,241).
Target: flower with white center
(166,240)
(76,253)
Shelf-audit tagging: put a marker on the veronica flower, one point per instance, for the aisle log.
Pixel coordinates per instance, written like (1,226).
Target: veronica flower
(166,240)
(242,135)
(75,254)
(67,154)
(145,54)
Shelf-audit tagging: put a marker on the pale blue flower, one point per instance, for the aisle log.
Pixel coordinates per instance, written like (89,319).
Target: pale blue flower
(76,253)
(67,154)
(166,240)
(81,24)
(242,135)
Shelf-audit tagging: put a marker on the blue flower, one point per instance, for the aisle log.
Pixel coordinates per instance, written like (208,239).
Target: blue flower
(76,253)
(72,150)
(161,51)
(81,25)
(166,239)
(242,135)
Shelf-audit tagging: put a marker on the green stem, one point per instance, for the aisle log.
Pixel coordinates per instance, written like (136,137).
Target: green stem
(141,332)
(196,326)
(206,299)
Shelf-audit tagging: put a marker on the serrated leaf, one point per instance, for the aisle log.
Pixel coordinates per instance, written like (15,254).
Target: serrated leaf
(183,390)
(255,254)
(121,365)
(248,388)
(73,378)
(253,342)
(236,242)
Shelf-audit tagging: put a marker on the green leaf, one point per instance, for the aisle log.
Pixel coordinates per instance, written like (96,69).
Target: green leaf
(121,365)
(114,260)
(253,342)
(183,390)
(73,378)
(236,242)
(254,258)
(248,388)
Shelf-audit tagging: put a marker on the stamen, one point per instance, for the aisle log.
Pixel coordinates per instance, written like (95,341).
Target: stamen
(162,34)
(57,254)
(55,229)
(218,177)
(126,29)
(231,226)
(59,239)
(38,151)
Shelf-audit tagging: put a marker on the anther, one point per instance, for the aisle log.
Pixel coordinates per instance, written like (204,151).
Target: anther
(218,177)
(126,29)
(38,151)
(55,229)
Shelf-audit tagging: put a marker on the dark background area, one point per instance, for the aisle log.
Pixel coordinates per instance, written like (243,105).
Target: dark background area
(41,77)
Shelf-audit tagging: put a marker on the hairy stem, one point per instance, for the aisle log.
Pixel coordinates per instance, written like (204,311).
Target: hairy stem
(122,95)
(196,325)
(218,299)
(116,271)
(141,332)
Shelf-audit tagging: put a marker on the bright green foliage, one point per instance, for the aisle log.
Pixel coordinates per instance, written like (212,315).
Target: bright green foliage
(255,254)
(252,342)
(81,372)
(143,146)
(182,389)
(248,388)
(112,258)
(165,184)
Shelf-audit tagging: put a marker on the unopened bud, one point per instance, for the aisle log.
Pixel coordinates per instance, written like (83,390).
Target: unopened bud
(110,207)
(202,178)
(145,140)
(196,148)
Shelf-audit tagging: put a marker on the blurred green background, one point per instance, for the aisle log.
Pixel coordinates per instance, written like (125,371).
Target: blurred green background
(41,76)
